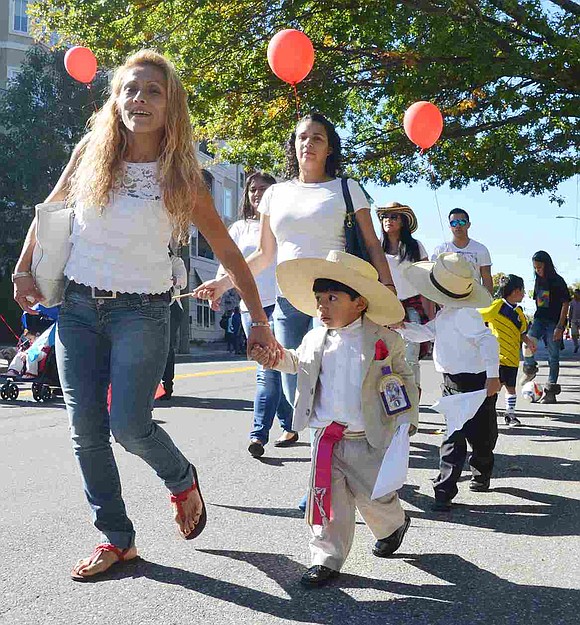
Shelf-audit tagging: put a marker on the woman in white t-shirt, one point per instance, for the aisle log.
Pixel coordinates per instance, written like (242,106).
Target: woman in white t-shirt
(133,181)
(304,218)
(398,222)
(269,399)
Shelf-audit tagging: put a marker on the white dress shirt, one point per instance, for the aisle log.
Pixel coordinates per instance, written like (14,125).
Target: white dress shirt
(463,343)
(338,392)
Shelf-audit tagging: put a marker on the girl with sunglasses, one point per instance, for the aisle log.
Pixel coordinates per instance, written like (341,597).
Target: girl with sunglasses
(398,223)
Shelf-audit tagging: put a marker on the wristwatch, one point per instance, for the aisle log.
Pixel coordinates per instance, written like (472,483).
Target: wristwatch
(20,274)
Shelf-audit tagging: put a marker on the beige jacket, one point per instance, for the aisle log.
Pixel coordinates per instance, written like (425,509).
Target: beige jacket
(379,427)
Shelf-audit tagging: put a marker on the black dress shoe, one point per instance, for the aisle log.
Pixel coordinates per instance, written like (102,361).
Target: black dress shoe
(479,487)
(318,575)
(256,448)
(386,547)
(287,442)
(441,505)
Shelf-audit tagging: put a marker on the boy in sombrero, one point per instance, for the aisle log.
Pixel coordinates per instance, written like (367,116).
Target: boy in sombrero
(342,367)
(467,354)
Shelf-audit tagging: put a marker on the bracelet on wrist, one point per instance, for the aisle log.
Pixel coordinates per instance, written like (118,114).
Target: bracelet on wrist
(259,324)
(20,274)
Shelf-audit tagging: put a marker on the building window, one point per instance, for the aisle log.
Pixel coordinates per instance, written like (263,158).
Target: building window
(12,73)
(203,248)
(205,316)
(204,147)
(208,179)
(20,18)
(242,179)
(229,211)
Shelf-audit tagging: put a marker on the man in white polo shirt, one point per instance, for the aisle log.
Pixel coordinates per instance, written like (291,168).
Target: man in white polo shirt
(473,251)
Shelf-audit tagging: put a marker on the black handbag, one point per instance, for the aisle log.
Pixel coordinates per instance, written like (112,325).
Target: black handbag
(354,240)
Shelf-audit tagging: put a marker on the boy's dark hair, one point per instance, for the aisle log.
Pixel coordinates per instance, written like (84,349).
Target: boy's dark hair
(323,285)
(456,211)
(508,284)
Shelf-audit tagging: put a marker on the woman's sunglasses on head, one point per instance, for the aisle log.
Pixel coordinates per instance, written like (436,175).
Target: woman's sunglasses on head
(458,222)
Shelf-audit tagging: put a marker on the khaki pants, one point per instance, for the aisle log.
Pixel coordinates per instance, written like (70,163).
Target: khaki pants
(355,466)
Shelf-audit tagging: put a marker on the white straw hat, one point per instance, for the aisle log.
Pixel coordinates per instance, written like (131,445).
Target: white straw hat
(296,278)
(448,281)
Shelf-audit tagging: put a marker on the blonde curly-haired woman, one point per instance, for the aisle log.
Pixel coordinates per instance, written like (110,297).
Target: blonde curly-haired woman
(133,181)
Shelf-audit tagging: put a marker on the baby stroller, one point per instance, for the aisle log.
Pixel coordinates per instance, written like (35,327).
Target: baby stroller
(35,360)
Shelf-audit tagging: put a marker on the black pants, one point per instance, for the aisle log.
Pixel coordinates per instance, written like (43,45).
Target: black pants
(480,432)
(176,313)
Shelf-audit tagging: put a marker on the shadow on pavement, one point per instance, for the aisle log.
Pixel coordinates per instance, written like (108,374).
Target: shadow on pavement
(464,593)
(538,514)
(207,403)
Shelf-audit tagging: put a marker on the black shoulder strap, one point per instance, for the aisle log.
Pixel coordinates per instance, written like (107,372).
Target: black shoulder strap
(346,194)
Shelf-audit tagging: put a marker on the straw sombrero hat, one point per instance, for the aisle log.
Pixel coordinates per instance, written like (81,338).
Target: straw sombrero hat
(296,277)
(395,207)
(448,281)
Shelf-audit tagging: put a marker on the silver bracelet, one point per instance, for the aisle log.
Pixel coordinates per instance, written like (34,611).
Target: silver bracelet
(20,274)
(259,324)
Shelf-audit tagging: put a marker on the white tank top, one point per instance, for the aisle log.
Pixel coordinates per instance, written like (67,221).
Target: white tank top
(125,248)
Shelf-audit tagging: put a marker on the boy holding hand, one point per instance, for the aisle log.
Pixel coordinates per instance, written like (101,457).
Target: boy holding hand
(355,390)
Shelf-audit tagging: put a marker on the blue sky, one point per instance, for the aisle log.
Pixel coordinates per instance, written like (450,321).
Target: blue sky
(512,226)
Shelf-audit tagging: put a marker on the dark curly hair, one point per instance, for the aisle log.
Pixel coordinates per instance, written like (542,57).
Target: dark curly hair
(333,166)
(246,210)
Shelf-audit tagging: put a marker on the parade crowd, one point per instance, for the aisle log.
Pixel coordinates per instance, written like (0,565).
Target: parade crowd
(338,339)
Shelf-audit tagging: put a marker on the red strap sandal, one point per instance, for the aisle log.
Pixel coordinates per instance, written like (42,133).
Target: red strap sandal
(97,551)
(179,498)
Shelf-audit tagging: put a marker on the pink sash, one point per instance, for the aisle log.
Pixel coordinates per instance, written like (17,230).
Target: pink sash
(318,507)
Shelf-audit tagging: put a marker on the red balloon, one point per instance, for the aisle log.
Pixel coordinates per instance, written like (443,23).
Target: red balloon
(291,55)
(423,124)
(81,64)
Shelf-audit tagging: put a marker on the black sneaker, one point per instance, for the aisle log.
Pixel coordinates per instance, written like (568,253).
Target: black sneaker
(511,421)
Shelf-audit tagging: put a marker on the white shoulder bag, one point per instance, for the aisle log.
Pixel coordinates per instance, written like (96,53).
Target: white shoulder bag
(54,222)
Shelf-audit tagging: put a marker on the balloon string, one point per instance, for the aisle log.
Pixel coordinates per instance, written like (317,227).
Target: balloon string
(433,184)
(92,98)
(9,327)
(297,99)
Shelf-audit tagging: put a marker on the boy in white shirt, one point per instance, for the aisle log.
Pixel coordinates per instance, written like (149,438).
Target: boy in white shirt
(467,354)
(355,389)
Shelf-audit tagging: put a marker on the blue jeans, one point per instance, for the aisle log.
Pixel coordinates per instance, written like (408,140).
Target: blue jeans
(124,341)
(545,329)
(269,399)
(290,327)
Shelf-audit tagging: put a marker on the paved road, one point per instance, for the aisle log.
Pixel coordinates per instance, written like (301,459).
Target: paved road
(508,556)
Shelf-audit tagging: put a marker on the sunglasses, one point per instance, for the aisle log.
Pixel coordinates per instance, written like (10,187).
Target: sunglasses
(392,216)
(458,222)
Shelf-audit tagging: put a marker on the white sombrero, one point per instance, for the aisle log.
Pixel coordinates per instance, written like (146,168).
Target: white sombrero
(448,281)
(296,277)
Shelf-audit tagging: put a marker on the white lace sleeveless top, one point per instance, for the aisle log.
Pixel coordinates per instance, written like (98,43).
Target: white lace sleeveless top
(125,248)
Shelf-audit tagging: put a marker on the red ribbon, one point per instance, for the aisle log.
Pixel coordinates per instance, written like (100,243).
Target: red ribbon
(319,502)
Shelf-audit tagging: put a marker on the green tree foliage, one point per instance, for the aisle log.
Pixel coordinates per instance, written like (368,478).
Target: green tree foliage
(505,74)
(43,113)
(496,277)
